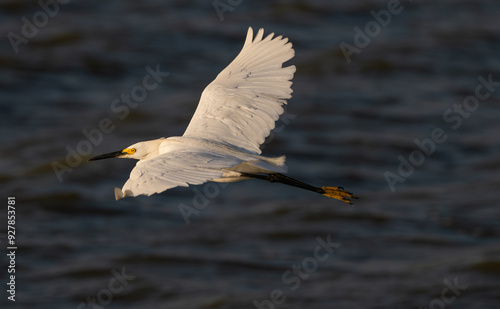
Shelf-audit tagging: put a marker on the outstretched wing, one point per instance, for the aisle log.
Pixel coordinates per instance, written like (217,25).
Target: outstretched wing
(173,169)
(241,105)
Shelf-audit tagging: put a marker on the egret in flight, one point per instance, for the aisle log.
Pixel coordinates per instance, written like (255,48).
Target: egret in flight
(222,142)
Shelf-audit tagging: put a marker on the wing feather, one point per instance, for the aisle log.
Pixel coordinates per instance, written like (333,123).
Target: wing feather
(240,107)
(171,170)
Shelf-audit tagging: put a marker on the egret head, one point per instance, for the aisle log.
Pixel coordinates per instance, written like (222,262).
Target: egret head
(138,151)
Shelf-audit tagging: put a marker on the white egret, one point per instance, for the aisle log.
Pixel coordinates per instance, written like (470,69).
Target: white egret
(222,142)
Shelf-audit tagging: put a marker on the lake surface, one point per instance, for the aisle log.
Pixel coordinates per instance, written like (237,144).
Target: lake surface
(410,124)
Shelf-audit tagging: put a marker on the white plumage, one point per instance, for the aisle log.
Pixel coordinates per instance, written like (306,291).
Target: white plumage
(184,161)
(235,114)
(241,105)
(222,142)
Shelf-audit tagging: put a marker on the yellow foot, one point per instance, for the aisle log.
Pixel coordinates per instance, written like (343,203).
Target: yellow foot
(339,193)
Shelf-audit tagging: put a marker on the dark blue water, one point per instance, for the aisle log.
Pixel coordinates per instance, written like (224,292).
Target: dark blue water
(410,125)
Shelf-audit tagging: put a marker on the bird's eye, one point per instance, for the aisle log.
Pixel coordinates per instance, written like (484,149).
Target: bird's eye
(129,151)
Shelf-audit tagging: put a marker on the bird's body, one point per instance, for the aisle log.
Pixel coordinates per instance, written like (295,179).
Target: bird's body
(237,111)
(181,161)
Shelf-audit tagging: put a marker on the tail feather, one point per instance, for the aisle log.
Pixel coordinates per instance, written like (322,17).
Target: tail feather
(269,165)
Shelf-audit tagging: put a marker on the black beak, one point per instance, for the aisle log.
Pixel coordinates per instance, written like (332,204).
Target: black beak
(108,155)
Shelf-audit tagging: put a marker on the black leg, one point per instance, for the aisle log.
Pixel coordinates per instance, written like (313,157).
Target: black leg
(333,192)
